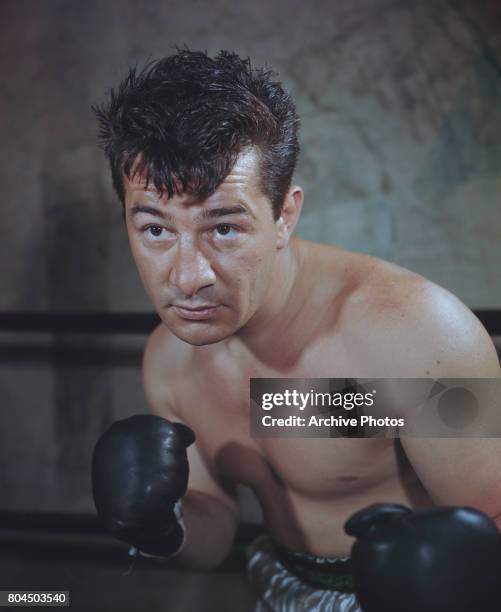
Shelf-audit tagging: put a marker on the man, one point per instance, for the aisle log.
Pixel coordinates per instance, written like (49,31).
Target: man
(202,153)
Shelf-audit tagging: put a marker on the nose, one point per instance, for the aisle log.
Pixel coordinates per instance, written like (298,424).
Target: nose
(191,270)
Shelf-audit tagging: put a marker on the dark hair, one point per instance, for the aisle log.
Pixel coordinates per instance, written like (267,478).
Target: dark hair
(181,122)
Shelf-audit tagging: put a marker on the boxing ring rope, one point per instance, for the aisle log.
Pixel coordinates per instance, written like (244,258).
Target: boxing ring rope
(114,323)
(80,322)
(134,322)
(89,525)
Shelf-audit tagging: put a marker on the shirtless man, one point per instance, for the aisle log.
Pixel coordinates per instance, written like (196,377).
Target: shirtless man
(202,153)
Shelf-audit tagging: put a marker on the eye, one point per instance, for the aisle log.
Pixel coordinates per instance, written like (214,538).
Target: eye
(224,229)
(155,233)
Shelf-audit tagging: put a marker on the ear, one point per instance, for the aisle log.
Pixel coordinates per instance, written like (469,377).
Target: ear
(289,215)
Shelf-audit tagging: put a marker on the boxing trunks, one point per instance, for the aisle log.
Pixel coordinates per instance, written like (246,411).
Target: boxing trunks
(293,582)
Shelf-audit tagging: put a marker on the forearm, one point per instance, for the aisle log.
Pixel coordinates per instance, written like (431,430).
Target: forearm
(210,529)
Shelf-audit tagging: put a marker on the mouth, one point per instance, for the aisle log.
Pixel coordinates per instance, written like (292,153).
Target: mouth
(200,313)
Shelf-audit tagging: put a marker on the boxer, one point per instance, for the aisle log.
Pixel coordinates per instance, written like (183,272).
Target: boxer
(202,153)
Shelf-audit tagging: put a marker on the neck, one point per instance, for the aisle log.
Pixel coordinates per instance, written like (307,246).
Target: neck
(270,334)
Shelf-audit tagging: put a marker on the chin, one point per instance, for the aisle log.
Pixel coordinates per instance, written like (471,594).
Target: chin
(200,334)
(200,339)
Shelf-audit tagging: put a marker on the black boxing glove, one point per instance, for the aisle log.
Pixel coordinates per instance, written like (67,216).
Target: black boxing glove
(139,472)
(444,558)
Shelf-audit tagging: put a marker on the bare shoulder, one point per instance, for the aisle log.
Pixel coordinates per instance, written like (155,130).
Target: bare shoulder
(163,358)
(416,327)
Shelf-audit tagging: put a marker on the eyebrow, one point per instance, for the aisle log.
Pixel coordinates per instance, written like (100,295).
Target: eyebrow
(208,213)
(214,213)
(150,210)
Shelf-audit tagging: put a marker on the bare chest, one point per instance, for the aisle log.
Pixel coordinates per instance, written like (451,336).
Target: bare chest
(216,405)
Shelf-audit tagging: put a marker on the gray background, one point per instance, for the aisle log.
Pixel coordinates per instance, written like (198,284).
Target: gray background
(401,138)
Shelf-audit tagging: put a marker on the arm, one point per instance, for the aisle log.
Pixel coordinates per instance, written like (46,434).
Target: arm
(210,509)
(452,343)
(210,515)
(447,557)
